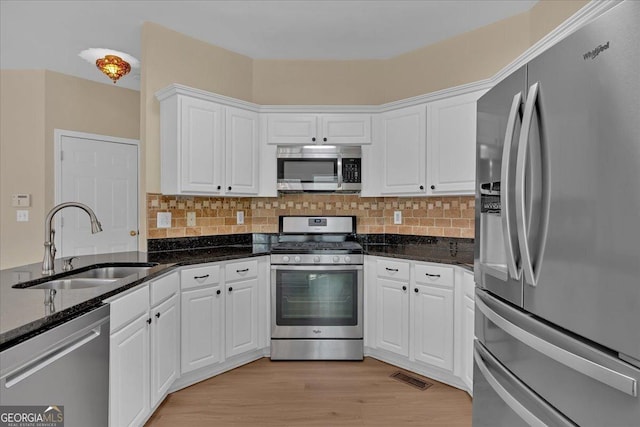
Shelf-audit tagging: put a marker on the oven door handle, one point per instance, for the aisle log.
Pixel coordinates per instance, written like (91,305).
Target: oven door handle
(315,267)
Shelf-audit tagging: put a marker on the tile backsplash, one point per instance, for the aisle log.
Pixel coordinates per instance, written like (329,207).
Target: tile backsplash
(423,216)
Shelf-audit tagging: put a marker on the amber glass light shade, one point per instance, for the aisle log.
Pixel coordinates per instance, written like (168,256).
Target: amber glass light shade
(113,66)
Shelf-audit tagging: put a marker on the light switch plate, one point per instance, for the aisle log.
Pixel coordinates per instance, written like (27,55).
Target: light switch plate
(21,200)
(397,217)
(191,219)
(240,217)
(164,220)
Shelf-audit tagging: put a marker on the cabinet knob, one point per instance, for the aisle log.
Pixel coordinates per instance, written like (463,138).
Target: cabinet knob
(422,187)
(433,187)
(416,290)
(229,188)
(404,288)
(230,289)
(149,321)
(219,187)
(218,292)
(157,315)
(313,139)
(324,139)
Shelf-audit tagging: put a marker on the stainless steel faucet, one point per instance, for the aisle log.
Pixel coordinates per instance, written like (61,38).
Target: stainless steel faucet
(49,232)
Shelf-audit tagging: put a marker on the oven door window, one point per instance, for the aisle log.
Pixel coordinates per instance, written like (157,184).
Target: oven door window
(316,298)
(308,170)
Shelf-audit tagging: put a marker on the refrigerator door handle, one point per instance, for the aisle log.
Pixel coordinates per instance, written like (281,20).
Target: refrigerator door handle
(485,362)
(506,178)
(598,372)
(521,205)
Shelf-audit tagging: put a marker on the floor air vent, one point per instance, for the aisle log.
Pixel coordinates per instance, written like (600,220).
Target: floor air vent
(412,381)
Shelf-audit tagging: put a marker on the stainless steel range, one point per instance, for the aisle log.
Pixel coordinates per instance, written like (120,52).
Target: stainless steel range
(316,290)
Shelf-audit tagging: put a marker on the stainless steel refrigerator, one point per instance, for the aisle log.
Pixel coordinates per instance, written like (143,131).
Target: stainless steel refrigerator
(557,255)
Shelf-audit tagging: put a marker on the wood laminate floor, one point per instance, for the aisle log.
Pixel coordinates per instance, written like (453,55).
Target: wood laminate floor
(266,393)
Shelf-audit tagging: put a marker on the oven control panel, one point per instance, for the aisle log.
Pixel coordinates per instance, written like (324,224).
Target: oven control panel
(312,259)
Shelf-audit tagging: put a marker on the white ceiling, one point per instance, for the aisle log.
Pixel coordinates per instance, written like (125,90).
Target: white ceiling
(49,34)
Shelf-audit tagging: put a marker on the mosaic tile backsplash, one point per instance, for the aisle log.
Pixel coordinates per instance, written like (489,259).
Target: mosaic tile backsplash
(423,216)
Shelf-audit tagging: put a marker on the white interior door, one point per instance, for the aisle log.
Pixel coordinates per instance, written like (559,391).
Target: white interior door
(101,172)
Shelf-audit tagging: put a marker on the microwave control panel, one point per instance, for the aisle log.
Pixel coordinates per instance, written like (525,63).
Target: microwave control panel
(351,170)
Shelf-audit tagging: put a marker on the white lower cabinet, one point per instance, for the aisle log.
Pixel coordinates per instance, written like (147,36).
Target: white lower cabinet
(416,320)
(143,350)
(466,334)
(165,343)
(241,317)
(222,312)
(432,317)
(129,374)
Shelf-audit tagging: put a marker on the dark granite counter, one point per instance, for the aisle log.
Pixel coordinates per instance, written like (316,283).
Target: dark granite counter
(24,312)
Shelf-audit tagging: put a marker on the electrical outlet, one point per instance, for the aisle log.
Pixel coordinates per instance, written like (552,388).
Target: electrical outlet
(397,217)
(240,217)
(191,219)
(164,220)
(22,216)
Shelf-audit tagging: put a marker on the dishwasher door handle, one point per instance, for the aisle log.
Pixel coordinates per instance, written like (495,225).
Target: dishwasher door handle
(31,368)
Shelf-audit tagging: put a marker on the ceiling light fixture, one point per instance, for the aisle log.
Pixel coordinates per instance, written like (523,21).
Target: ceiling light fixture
(112,63)
(113,66)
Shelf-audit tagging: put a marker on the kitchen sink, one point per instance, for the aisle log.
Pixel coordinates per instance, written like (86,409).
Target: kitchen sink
(75,283)
(99,275)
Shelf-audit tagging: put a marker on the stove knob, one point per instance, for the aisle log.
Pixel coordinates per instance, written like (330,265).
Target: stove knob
(336,259)
(296,259)
(285,259)
(347,259)
(316,259)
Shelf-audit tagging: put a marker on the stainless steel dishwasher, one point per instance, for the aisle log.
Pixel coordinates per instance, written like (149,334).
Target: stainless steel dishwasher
(65,366)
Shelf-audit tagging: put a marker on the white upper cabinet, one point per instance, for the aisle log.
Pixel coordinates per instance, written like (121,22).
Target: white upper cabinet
(401,151)
(242,151)
(329,129)
(451,145)
(191,146)
(207,148)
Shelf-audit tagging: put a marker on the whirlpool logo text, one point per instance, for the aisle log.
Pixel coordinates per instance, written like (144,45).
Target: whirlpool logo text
(595,52)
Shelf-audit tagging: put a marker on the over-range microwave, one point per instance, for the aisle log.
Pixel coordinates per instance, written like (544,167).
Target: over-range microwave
(319,168)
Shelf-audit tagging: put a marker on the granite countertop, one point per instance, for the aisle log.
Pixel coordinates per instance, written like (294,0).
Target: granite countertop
(24,313)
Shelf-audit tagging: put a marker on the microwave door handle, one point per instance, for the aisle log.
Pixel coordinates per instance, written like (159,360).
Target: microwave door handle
(339,171)
(505,178)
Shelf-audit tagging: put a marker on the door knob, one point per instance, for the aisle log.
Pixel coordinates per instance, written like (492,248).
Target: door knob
(133,233)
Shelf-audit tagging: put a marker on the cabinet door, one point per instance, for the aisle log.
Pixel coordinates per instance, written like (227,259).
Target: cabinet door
(297,129)
(468,335)
(392,317)
(241,317)
(165,346)
(200,146)
(129,374)
(432,317)
(451,143)
(403,142)
(348,129)
(201,328)
(242,158)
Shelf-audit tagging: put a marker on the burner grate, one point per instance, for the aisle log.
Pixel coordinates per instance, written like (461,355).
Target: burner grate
(410,380)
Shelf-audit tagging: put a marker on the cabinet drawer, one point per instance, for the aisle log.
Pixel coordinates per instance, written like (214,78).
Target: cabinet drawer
(241,270)
(393,269)
(162,288)
(434,275)
(128,308)
(202,276)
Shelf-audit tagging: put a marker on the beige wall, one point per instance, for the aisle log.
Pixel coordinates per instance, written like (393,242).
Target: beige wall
(546,15)
(34,103)
(318,82)
(22,162)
